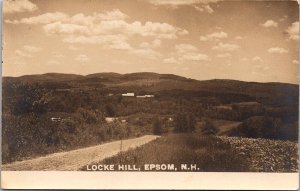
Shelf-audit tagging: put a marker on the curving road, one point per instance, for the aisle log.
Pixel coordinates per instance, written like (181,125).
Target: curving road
(73,160)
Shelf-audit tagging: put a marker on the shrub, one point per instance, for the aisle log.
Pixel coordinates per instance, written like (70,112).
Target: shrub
(209,128)
(259,127)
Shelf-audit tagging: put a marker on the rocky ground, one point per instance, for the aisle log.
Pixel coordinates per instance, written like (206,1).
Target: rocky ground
(266,155)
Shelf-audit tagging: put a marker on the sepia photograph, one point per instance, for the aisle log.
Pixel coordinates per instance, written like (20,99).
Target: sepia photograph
(149,86)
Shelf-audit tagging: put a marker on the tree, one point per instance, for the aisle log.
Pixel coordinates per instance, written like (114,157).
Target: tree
(209,128)
(185,122)
(157,126)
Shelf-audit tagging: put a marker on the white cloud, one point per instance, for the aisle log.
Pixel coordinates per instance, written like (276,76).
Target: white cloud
(22,54)
(82,58)
(295,62)
(27,51)
(260,67)
(190,53)
(226,55)
(269,23)
(171,60)
(147,53)
(115,14)
(226,47)
(109,22)
(283,18)
(79,19)
(58,27)
(31,49)
(203,8)
(238,38)
(122,45)
(57,55)
(183,48)
(181,2)
(214,36)
(293,31)
(194,57)
(18,6)
(257,59)
(277,50)
(41,19)
(154,44)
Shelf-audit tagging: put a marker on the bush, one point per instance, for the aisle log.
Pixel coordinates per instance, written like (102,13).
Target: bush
(259,127)
(157,126)
(209,128)
(185,122)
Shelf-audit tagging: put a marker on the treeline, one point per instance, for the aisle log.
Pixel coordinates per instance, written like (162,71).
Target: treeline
(35,134)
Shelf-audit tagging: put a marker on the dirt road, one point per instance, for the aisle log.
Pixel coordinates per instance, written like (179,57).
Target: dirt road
(73,160)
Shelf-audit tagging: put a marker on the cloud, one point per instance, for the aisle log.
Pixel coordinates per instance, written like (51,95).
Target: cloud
(238,38)
(27,51)
(214,36)
(122,45)
(41,19)
(171,60)
(154,44)
(18,6)
(147,53)
(269,23)
(180,2)
(277,50)
(199,5)
(226,47)
(57,55)
(117,42)
(109,22)
(260,67)
(82,58)
(257,59)
(22,54)
(194,57)
(58,27)
(190,53)
(293,31)
(203,8)
(31,49)
(183,48)
(226,55)
(295,62)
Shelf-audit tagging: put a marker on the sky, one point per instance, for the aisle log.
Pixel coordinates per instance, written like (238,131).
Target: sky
(199,39)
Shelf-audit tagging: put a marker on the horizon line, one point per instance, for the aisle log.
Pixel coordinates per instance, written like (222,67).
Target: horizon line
(152,73)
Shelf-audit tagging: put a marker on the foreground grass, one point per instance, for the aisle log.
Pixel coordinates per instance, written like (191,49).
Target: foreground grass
(210,154)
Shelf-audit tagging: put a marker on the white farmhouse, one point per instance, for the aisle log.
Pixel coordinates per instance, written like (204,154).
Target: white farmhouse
(128,95)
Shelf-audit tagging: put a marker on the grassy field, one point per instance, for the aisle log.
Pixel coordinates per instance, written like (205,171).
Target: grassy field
(213,154)
(208,152)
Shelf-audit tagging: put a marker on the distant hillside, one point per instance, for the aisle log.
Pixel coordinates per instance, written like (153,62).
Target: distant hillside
(280,93)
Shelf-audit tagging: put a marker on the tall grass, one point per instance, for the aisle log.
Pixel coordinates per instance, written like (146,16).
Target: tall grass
(208,152)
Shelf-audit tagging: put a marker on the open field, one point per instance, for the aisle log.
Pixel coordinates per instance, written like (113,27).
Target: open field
(73,160)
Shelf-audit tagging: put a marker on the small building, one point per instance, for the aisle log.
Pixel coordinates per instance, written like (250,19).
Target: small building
(56,119)
(110,94)
(128,95)
(145,96)
(110,119)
